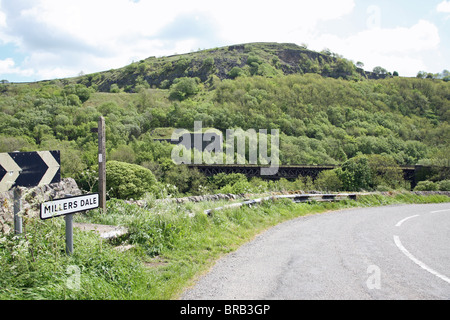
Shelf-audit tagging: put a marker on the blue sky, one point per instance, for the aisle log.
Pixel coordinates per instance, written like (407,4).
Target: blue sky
(48,39)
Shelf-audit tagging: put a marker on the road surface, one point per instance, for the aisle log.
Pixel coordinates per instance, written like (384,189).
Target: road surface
(397,252)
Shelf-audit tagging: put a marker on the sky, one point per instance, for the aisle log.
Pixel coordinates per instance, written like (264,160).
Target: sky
(51,39)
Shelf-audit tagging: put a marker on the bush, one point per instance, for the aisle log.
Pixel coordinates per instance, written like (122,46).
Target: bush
(129,181)
(235,72)
(184,88)
(383,188)
(222,179)
(239,187)
(123,153)
(187,181)
(355,174)
(328,181)
(114,88)
(259,185)
(444,185)
(426,186)
(385,171)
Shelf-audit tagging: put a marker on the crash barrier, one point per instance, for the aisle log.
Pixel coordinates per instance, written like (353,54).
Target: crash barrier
(297,198)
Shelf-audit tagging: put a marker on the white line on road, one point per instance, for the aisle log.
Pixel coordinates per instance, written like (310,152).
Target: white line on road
(440,211)
(418,262)
(400,222)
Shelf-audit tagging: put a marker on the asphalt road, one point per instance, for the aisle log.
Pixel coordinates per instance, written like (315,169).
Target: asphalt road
(394,252)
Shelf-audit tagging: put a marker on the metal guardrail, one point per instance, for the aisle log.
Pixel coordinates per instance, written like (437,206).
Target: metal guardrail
(298,198)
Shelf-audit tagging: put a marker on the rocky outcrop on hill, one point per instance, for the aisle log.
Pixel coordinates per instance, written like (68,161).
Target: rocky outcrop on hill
(270,59)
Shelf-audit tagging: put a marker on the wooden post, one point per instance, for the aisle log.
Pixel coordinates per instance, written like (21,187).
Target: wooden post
(102,164)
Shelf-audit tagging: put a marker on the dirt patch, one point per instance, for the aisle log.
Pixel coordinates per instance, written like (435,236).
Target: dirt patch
(105,231)
(156,262)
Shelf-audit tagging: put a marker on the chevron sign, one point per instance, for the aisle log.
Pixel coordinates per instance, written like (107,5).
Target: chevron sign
(29,169)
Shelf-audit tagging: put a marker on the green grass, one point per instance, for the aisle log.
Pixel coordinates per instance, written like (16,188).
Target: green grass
(173,245)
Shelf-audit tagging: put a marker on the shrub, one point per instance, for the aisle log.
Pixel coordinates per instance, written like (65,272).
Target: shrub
(235,72)
(444,185)
(259,185)
(114,88)
(355,174)
(385,171)
(239,187)
(328,180)
(222,179)
(426,186)
(184,88)
(126,181)
(123,153)
(186,180)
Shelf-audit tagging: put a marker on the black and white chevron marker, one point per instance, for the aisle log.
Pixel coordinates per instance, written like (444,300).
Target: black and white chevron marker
(29,169)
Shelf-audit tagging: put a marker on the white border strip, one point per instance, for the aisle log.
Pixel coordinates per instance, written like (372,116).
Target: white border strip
(440,211)
(400,222)
(418,262)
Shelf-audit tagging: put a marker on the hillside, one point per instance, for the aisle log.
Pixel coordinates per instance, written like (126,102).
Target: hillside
(264,59)
(328,111)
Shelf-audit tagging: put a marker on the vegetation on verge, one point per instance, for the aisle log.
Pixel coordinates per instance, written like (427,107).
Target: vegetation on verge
(172,245)
(327,109)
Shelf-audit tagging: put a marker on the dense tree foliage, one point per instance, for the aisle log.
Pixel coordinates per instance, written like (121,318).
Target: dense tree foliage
(370,127)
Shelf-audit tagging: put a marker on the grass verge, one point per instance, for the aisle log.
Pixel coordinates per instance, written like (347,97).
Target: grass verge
(172,245)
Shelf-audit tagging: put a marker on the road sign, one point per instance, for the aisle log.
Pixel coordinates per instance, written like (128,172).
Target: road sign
(65,206)
(29,169)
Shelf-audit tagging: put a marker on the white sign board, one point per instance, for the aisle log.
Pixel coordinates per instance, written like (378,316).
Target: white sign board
(60,207)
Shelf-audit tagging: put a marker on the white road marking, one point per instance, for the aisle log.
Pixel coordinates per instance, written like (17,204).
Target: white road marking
(418,262)
(440,211)
(400,222)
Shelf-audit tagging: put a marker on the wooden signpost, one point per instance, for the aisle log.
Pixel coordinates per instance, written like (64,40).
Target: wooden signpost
(101,162)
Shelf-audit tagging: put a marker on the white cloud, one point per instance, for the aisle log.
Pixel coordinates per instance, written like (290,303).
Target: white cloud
(444,7)
(2,19)
(401,49)
(106,34)
(280,21)
(63,37)
(8,67)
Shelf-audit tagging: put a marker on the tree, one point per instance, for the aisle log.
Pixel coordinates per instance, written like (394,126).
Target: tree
(355,174)
(328,180)
(385,171)
(421,74)
(208,64)
(235,72)
(114,88)
(185,179)
(123,153)
(183,88)
(380,70)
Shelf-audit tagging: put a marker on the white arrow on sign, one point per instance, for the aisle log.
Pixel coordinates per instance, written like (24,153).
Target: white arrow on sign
(12,172)
(52,164)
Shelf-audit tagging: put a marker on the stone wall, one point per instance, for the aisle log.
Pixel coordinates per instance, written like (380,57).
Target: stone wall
(31,199)
(231,197)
